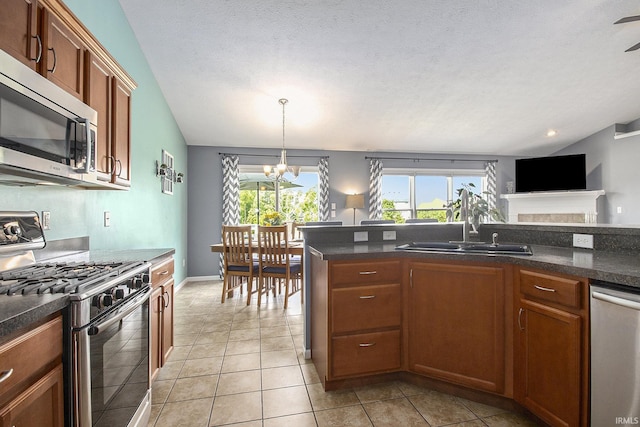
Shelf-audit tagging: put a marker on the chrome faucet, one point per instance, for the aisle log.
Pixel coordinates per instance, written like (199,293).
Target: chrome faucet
(464,212)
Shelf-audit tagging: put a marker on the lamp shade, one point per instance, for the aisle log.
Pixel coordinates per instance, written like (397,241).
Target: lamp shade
(355,201)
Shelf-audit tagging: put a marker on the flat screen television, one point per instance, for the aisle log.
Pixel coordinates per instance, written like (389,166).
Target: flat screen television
(553,173)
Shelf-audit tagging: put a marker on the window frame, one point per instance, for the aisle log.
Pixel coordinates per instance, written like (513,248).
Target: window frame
(449,174)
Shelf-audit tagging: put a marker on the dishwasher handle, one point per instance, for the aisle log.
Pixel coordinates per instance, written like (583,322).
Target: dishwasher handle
(616,300)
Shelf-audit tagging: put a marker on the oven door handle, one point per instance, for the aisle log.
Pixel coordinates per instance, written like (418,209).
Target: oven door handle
(123,312)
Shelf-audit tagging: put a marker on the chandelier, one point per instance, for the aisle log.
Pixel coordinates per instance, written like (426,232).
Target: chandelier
(282,167)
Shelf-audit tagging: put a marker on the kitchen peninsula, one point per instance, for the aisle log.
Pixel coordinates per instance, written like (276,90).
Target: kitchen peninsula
(494,327)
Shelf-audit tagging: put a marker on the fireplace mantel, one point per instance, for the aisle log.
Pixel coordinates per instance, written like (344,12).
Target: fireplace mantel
(554,206)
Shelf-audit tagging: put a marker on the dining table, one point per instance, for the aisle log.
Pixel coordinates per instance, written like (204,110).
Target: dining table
(296,247)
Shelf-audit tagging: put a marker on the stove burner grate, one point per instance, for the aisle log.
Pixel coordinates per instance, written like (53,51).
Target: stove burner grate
(73,277)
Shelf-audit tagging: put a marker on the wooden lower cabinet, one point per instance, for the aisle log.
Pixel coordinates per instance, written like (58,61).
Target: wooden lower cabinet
(551,352)
(161,320)
(456,324)
(33,394)
(40,405)
(357,308)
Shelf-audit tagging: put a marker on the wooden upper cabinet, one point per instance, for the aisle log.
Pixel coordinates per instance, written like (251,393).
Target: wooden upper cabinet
(98,96)
(121,132)
(19,35)
(64,56)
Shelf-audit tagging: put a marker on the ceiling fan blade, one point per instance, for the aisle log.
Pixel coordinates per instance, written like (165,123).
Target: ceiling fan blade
(634,47)
(627,19)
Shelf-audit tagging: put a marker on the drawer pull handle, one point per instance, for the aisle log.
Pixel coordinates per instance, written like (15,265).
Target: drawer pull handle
(367,296)
(6,374)
(163,273)
(542,288)
(367,344)
(364,273)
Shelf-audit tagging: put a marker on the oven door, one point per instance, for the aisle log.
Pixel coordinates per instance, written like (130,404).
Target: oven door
(111,367)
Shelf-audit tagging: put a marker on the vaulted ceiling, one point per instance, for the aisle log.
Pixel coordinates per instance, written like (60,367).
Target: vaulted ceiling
(436,76)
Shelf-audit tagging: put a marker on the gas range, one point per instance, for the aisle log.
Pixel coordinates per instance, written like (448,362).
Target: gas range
(107,323)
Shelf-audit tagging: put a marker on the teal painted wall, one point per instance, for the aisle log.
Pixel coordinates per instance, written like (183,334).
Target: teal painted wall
(142,217)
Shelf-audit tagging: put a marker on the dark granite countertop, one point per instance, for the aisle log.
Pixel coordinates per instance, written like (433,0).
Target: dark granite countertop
(20,311)
(613,267)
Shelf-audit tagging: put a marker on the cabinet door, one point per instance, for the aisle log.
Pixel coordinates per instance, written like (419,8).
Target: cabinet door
(457,324)
(156,319)
(167,320)
(18,30)
(41,405)
(98,97)
(121,132)
(548,363)
(64,57)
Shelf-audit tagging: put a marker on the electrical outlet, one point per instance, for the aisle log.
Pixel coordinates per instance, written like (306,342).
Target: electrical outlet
(619,209)
(389,235)
(46,220)
(583,241)
(107,218)
(360,236)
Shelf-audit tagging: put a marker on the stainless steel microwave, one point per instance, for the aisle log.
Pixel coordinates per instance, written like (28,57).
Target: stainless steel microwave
(46,134)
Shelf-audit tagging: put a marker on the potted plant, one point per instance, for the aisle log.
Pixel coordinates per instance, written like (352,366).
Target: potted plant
(478,207)
(272,218)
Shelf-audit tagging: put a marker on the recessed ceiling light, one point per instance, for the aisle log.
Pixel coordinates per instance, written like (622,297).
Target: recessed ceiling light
(552,132)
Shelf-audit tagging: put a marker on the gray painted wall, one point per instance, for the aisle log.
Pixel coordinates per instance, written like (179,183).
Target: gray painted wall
(142,217)
(348,173)
(612,166)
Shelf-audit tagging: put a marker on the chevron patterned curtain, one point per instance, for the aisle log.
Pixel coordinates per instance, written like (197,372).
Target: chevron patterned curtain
(323,194)
(492,187)
(230,194)
(375,189)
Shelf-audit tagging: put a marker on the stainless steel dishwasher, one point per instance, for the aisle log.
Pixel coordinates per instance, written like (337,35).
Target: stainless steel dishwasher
(615,355)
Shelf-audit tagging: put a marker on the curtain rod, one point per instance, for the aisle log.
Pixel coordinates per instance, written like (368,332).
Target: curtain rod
(270,155)
(423,159)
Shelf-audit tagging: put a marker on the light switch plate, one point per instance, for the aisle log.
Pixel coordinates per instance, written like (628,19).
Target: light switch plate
(360,236)
(107,218)
(46,220)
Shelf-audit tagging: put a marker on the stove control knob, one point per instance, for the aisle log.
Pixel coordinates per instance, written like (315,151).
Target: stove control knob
(139,281)
(119,294)
(104,300)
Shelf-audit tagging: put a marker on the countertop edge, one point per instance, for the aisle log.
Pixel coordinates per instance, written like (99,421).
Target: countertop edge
(599,265)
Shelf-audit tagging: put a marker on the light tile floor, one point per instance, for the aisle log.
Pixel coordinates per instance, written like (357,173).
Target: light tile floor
(239,365)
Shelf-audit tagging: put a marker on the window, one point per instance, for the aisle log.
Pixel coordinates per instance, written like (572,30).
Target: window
(424,194)
(261,196)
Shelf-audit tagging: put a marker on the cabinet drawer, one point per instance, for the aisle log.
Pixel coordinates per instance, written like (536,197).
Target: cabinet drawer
(365,272)
(31,354)
(161,273)
(550,288)
(365,307)
(365,353)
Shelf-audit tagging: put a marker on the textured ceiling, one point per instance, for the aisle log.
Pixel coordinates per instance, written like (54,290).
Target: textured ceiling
(437,76)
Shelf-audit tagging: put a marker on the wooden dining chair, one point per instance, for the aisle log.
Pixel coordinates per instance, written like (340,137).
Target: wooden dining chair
(276,263)
(238,260)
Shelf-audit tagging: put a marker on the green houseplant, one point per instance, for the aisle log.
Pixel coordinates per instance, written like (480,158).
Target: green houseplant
(478,207)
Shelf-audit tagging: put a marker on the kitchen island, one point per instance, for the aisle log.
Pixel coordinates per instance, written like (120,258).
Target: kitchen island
(495,328)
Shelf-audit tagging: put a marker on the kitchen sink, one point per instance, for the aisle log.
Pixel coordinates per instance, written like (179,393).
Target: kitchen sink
(467,248)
